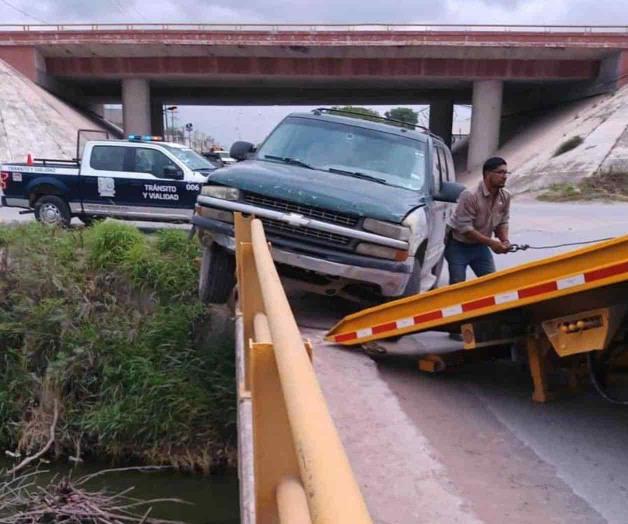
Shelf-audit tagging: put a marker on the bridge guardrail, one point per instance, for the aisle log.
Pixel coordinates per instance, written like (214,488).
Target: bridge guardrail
(300,470)
(278,28)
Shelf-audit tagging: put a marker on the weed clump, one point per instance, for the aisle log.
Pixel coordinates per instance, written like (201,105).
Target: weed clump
(105,322)
(602,186)
(568,145)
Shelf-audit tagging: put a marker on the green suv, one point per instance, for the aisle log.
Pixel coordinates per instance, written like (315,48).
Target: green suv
(348,204)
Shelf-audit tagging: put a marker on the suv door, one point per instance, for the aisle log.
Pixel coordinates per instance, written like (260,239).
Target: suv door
(438,214)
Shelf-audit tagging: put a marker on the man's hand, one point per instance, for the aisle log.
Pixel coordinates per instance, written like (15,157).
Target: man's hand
(498,247)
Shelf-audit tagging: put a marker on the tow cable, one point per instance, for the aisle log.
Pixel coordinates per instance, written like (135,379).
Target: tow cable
(524,247)
(598,371)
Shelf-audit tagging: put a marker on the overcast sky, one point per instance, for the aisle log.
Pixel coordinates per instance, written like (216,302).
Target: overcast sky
(228,124)
(322,11)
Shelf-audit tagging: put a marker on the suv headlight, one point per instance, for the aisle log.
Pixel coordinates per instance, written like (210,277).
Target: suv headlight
(373,250)
(386,229)
(222,192)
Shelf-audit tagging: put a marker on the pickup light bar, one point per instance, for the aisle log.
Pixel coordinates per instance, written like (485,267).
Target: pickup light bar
(145,138)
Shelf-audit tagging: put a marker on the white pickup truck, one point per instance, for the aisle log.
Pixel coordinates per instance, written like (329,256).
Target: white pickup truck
(135,179)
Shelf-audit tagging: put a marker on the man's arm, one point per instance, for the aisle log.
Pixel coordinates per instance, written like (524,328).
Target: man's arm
(497,246)
(501,232)
(502,229)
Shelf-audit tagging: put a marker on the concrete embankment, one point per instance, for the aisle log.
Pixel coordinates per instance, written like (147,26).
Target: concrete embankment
(592,132)
(36,122)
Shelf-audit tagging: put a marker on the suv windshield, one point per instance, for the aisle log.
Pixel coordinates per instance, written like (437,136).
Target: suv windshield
(343,148)
(190,158)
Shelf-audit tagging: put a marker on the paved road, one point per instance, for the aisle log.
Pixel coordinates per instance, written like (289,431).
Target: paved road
(10,215)
(470,446)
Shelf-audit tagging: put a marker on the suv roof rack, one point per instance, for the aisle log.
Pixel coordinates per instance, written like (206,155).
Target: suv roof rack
(376,117)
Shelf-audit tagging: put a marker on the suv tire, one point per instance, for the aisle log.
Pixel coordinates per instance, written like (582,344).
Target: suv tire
(53,211)
(216,277)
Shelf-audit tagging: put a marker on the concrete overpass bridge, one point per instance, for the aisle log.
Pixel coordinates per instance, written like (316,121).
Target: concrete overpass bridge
(500,70)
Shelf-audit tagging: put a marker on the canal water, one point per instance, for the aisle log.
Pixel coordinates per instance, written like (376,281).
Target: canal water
(213,499)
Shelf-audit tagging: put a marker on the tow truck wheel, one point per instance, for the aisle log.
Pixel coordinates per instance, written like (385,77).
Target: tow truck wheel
(53,211)
(216,277)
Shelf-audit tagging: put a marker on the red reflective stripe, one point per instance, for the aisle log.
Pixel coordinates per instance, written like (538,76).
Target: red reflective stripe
(532,291)
(382,328)
(426,317)
(346,337)
(606,272)
(478,304)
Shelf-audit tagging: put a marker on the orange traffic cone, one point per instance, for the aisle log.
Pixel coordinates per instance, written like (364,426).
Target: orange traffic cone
(29,160)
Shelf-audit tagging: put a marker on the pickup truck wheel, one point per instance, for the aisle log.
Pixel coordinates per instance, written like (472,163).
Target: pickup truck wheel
(53,211)
(216,277)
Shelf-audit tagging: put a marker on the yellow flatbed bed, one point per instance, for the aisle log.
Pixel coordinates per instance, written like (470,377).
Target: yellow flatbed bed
(592,277)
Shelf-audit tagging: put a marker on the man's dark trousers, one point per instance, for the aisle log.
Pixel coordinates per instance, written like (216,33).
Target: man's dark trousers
(460,255)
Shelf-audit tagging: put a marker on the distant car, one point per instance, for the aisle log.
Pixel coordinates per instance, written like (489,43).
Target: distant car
(220,156)
(213,159)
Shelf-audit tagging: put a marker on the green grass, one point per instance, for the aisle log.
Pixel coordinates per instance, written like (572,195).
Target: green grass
(106,321)
(603,186)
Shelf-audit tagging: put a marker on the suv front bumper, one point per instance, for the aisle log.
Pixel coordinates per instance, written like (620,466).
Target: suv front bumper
(390,276)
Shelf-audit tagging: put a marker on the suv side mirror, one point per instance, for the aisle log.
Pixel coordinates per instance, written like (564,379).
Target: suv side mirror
(240,150)
(173,172)
(449,192)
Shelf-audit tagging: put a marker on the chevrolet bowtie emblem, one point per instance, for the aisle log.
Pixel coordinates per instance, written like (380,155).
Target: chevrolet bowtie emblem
(294,219)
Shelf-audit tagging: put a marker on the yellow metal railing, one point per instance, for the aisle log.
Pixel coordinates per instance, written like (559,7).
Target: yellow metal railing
(301,473)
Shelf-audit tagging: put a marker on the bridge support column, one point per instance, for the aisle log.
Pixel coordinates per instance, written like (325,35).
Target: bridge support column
(136,106)
(157,118)
(441,119)
(485,121)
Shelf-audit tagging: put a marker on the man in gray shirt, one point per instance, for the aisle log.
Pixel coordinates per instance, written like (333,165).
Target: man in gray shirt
(480,214)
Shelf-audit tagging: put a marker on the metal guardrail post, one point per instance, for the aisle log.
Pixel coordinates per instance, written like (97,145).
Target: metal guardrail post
(333,494)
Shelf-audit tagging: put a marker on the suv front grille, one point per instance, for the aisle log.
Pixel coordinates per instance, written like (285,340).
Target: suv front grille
(276,226)
(312,212)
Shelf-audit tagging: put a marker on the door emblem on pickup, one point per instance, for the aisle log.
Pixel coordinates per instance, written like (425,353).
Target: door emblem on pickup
(106,187)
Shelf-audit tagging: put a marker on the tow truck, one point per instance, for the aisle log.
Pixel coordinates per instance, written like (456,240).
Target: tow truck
(569,312)
(141,178)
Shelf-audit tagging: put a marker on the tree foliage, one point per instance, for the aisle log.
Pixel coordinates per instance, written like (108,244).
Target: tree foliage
(403,114)
(362,112)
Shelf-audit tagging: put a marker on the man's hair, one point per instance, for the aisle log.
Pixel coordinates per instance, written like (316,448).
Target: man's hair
(492,163)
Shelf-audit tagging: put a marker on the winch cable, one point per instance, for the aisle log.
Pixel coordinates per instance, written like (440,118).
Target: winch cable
(524,247)
(598,386)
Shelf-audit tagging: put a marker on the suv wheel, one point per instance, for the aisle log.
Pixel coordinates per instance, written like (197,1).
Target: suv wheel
(216,277)
(53,211)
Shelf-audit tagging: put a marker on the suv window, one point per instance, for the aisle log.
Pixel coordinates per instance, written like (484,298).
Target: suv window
(325,145)
(108,158)
(437,173)
(443,165)
(451,170)
(151,161)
